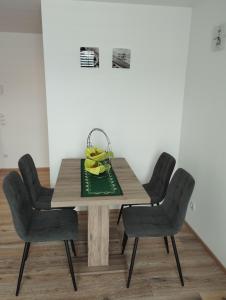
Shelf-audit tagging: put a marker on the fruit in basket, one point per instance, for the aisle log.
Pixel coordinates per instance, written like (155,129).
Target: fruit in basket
(97,154)
(95,167)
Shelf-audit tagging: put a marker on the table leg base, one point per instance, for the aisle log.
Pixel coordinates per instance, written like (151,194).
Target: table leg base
(98,236)
(117,264)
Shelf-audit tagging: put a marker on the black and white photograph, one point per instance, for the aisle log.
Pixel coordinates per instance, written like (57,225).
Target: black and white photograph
(121,58)
(89,57)
(218,42)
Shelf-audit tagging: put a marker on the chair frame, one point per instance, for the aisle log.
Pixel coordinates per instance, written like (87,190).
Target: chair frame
(124,242)
(25,256)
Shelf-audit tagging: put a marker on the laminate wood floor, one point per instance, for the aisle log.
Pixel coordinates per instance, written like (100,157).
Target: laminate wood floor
(155,277)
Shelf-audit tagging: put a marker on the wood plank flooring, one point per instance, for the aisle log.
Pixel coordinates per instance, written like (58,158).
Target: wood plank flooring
(46,274)
(213,296)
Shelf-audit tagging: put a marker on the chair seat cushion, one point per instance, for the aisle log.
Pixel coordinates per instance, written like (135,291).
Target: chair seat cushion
(53,225)
(146,221)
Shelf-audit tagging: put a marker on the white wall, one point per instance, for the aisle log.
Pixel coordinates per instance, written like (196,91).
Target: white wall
(140,108)
(1,150)
(23,101)
(203,141)
(179,3)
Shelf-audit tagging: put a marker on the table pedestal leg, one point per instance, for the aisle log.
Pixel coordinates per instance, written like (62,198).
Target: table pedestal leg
(98,235)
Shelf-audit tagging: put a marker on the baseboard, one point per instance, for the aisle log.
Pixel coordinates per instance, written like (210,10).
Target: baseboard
(207,248)
(43,169)
(4,171)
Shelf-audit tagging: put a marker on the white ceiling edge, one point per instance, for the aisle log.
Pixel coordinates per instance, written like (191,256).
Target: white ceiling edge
(178,3)
(24,16)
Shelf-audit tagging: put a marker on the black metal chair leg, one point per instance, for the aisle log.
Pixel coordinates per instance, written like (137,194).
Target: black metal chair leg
(177,260)
(28,248)
(120,213)
(73,247)
(70,264)
(166,244)
(124,242)
(24,257)
(132,261)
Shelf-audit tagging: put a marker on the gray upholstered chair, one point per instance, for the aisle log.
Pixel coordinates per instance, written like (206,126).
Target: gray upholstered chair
(157,186)
(38,226)
(159,221)
(40,196)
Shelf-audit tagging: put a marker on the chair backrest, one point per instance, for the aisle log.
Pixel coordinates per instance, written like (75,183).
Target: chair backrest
(163,170)
(30,177)
(177,197)
(19,203)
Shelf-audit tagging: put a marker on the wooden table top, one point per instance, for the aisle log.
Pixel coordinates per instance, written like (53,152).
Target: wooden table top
(67,191)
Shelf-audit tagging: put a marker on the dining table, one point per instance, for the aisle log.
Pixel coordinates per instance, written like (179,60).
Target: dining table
(67,193)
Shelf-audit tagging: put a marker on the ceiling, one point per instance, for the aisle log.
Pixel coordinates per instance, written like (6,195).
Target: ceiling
(25,15)
(20,16)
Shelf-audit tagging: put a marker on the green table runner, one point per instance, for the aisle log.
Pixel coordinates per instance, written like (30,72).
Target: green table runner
(105,184)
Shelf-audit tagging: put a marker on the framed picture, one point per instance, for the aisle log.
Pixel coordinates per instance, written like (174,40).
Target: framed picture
(121,58)
(89,57)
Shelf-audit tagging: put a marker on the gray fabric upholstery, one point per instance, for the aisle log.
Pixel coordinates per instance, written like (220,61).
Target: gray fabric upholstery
(19,203)
(157,186)
(40,196)
(165,219)
(33,225)
(53,225)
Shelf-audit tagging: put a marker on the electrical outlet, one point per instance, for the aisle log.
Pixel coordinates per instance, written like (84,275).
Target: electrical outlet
(192,206)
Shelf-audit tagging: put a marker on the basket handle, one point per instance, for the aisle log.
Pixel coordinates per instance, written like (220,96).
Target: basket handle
(89,144)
